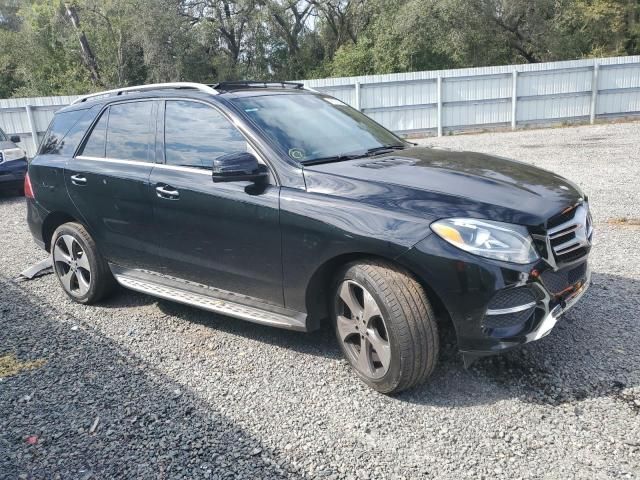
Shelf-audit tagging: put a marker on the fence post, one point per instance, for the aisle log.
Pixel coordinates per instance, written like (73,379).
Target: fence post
(439,97)
(594,93)
(32,126)
(358,104)
(514,100)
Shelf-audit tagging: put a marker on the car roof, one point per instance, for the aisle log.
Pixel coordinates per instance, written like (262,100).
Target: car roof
(236,92)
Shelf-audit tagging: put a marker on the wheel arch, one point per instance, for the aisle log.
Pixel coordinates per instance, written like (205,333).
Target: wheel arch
(318,291)
(52,221)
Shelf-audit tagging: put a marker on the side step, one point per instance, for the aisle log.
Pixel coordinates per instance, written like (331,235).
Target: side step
(295,321)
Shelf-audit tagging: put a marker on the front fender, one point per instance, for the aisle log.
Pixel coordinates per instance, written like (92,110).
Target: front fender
(318,228)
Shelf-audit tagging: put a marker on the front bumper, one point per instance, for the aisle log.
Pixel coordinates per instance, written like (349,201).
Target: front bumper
(468,287)
(550,319)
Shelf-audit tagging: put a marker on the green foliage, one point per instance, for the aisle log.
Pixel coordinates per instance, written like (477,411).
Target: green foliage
(351,60)
(50,47)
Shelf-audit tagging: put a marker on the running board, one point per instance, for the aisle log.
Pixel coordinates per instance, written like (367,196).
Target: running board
(254,314)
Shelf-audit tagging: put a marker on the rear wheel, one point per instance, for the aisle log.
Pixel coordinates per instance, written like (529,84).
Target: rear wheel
(385,325)
(83,273)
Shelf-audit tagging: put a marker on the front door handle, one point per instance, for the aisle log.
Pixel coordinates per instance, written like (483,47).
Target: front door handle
(167,192)
(78,180)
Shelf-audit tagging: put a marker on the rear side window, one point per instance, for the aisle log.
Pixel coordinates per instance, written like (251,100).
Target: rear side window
(74,136)
(129,133)
(95,144)
(54,142)
(196,134)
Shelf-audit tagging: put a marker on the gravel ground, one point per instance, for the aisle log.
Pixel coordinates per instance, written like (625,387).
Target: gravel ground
(142,388)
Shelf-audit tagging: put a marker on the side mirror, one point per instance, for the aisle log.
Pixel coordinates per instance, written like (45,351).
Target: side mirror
(238,167)
(15,139)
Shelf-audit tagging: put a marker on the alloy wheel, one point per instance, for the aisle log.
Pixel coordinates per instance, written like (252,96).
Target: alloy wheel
(72,265)
(362,330)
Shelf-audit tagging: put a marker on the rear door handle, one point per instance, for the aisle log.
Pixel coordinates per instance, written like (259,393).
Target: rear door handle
(167,192)
(78,180)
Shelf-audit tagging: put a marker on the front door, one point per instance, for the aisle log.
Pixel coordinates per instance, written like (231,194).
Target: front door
(109,182)
(223,235)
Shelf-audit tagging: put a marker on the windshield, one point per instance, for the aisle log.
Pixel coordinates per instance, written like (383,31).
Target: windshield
(311,128)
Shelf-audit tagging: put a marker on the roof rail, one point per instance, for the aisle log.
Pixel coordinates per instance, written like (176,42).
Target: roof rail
(236,85)
(154,86)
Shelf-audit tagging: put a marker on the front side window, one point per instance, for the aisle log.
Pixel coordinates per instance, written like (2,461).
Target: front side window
(312,128)
(196,134)
(129,132)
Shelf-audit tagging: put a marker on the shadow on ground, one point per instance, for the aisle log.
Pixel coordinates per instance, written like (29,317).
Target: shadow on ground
(592,352)
(148,426)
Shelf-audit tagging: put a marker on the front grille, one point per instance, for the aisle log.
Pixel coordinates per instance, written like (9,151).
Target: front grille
(569,234)
(557,282)
(1,157)
(561,218)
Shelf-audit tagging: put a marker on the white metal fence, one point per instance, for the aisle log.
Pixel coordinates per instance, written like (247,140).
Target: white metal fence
(452,100)
(444,100)
(29,118)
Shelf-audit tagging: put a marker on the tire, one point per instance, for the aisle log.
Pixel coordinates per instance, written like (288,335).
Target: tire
(81,270)
(401,325)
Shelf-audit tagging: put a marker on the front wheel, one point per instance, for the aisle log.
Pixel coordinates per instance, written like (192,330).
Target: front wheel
(83,273)
(385,325)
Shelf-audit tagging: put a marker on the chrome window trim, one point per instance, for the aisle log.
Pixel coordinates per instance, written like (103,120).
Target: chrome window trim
(114,160)
(183,169)
(137,162)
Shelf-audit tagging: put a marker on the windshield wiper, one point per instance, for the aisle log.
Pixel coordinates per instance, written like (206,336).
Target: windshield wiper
(384,149)
(334,158)
(352,156)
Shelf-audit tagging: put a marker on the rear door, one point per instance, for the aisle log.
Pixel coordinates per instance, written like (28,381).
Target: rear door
(108,181)
(224,235)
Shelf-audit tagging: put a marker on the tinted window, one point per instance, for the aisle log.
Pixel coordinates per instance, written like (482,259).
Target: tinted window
(53,142)
(311,127)
(94,147)
(196,134)
(74,136)
(129,131)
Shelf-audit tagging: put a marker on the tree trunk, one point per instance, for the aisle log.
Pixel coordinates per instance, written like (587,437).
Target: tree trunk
(88,58)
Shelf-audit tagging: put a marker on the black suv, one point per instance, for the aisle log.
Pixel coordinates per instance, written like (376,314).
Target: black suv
(13,163)
(283,206)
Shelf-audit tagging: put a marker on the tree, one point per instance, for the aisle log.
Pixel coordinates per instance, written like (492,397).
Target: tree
(50,47)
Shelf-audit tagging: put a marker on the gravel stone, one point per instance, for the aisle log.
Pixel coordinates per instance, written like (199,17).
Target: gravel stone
(182,393)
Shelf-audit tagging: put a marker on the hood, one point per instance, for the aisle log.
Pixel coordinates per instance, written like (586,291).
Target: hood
(437,183)
(7,145)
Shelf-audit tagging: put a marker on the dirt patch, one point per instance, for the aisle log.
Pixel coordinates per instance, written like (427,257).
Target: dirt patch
(624,222)
(10,365)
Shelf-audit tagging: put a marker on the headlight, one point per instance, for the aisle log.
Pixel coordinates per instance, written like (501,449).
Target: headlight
(497,240)
(12,154)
